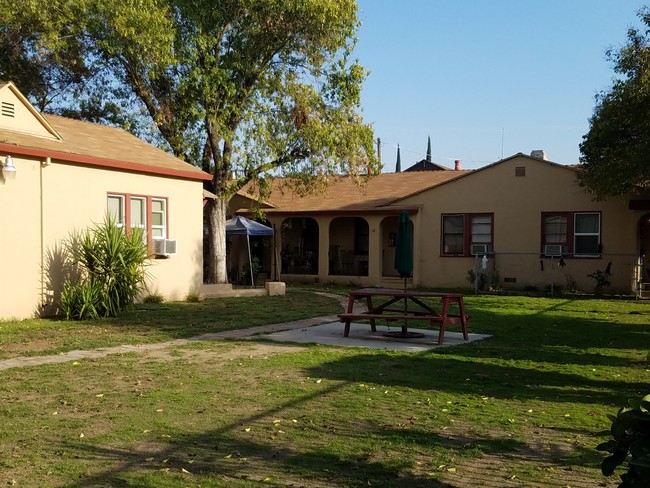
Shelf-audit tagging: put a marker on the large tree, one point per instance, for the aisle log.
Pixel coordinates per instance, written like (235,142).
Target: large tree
(245,89)
(615,153)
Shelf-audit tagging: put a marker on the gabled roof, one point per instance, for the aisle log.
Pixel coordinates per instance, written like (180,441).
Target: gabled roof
(43,126)
(383,191)
(344,194)
(425,165)
(94,145)
(477,172)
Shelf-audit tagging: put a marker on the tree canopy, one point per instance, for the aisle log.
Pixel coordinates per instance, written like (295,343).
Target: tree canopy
(615,153)
(251,88)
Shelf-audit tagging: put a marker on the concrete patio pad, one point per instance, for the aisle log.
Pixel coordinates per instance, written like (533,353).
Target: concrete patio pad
(331,334)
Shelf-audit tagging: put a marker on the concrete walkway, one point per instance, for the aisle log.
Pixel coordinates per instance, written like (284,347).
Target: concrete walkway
(325,330)
(239,334)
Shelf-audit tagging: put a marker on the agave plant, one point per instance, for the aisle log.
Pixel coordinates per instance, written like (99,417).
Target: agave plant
(113,271)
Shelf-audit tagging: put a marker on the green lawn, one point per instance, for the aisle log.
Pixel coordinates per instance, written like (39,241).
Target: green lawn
(148,323)
(523,408)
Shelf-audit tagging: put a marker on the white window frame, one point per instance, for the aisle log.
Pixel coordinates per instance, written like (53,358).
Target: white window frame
(577,234)
(146,221)
(163,226)
(121,219)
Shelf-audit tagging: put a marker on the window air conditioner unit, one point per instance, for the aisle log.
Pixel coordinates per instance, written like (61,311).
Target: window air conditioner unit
(163,247)
(480,249)
(552,250)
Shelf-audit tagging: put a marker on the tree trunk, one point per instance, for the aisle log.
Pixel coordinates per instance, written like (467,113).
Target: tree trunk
(217,241)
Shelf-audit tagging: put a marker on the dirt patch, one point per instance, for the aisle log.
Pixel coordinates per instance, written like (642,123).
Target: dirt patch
(543,456)
(255,350)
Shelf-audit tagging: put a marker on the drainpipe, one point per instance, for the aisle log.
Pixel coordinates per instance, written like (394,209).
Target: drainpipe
(42,165)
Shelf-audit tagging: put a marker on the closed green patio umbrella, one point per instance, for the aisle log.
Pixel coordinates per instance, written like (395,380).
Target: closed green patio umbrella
(404,264)
(404,247)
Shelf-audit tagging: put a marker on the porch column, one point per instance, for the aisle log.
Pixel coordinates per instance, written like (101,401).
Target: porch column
(374,248)
(276,265)
(323,247)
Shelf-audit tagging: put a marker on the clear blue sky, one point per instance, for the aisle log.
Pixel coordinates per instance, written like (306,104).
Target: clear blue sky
(486,78)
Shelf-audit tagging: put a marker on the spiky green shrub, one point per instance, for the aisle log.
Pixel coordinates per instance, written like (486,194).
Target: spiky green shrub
(154,298)
(193,297)
(78,300)
(112,265)
(630,444)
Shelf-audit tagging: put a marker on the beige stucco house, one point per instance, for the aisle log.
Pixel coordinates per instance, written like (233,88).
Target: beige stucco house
(69,175)
(522,223)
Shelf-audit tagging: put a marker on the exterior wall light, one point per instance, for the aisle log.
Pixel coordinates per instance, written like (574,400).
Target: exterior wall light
(8,169)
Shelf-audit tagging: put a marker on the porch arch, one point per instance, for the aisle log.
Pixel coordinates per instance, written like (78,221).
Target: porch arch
(348,246)
(299,255)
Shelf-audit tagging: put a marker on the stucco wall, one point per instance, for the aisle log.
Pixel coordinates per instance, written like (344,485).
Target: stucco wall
(517,203)
(20,242)
(75,197)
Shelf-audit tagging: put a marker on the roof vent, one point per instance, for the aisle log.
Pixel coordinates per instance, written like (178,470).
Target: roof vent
(538,153)
(7,109)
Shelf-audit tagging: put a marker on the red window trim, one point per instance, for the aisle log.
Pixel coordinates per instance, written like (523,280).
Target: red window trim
(570,232)
(467,232)
(148,207)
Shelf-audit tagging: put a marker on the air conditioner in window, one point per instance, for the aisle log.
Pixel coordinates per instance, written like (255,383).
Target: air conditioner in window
(552,250)
(478,249)
(163,247)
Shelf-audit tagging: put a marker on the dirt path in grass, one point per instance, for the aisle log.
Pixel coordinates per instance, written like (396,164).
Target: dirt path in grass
(159,348)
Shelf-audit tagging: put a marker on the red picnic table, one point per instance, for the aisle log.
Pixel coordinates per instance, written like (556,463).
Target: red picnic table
(387,309)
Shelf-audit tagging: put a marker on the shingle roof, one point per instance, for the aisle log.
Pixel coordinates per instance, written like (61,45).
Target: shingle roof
(344,194)
(95,144)
(425,165)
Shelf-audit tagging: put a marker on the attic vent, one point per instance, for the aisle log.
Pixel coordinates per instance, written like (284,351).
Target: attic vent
(7,109)
(520,171)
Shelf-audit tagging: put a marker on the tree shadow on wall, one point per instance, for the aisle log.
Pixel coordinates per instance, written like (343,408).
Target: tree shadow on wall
(59,268)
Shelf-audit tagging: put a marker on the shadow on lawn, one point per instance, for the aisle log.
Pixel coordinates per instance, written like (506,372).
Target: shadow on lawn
(224,452)
(430,371)
(226,455)
(530,356)
(565,340)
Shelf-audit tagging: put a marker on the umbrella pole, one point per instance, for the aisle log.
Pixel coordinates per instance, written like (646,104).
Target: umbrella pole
(250,261)
(406,308)
(275,257)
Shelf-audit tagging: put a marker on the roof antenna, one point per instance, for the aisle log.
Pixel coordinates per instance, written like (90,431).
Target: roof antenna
(502,131)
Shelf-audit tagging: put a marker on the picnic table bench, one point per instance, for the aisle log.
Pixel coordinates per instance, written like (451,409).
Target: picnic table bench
(386,310)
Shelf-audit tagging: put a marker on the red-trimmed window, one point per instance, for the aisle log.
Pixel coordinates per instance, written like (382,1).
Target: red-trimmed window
(467,234)
(146,212)
(577,233)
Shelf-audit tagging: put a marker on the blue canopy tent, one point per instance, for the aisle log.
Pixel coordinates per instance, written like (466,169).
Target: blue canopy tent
(241,226)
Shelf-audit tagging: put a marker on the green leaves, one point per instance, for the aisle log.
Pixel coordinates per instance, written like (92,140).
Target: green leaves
(112,271)
(631,438)
(614,151)
(261,87)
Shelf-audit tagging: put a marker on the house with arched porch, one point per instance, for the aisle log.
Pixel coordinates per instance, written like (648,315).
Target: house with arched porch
(522,222)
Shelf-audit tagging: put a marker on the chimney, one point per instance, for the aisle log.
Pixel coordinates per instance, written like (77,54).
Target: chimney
(538,153)
(458,165)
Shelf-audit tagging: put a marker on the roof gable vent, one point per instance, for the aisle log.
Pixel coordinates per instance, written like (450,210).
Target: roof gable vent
(7,109)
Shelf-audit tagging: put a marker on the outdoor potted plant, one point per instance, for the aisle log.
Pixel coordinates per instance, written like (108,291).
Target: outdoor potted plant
(602,279)
(254,267)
